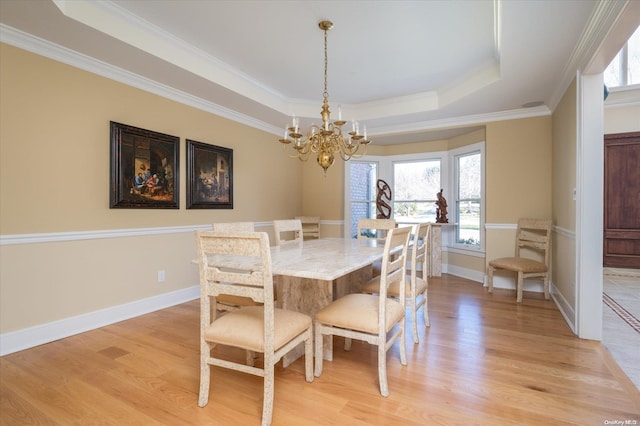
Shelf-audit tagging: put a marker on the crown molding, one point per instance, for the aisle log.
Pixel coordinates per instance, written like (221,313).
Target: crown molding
(70,57)
(109,18)
(605,13)
(468,120)
(75,59)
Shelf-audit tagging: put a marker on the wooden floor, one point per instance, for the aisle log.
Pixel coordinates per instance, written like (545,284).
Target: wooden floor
(484,360)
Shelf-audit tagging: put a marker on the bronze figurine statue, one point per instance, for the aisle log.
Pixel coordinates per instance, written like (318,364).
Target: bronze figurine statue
(441,210)
(384,209)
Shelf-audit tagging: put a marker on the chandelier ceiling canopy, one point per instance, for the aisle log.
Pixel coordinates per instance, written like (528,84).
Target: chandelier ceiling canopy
(327,139)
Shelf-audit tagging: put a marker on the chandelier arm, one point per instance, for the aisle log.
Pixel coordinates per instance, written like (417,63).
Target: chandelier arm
(302,154)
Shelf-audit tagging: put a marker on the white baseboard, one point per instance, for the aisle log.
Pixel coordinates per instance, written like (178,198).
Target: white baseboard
(33,336)
(458,271)
(564,307)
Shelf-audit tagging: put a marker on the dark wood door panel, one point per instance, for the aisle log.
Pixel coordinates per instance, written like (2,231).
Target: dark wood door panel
(622,200)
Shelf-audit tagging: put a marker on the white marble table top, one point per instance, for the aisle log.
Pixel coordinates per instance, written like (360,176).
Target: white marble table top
(324,258)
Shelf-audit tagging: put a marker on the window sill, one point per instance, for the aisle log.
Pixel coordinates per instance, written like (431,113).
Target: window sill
(465,250)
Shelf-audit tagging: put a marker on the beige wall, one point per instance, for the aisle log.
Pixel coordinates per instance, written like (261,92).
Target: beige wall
(54,178)
(518,169)
(54,159)
(564,207)
(55,152)
(518,178)
(620,118)
(323,195)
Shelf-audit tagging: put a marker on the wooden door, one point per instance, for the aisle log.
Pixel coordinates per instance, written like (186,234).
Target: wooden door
(622,200)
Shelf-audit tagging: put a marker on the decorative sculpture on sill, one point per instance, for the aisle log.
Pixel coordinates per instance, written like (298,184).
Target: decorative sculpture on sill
(381,206)
(441,209)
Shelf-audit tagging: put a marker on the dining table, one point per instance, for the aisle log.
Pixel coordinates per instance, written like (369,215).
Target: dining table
(310,274)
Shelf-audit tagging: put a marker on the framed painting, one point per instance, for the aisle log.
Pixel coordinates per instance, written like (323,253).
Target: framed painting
(209,176)
(144,168)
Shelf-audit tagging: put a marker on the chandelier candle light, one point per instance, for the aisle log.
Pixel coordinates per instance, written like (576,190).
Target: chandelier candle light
(327,139)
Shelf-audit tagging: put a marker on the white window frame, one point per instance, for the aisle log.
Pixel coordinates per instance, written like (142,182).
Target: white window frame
(347,188)
(454,154)
(448,182)
(385,172)
(397,160)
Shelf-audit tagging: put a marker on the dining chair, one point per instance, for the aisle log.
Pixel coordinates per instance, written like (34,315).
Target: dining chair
(228,302)
(375,319)
(416,282)
(375,229)
(532,236)
(310,226)
(288,227)
(259,329)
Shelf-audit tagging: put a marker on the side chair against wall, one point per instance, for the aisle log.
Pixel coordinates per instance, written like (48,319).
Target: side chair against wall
(375,229)
(227,302)
(310,226)
(416,283)
(369,317)
(289,227)
(532,235)
(261,329)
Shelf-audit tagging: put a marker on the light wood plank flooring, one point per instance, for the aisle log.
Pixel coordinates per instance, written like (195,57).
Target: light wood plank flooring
(485,360)
(621,319)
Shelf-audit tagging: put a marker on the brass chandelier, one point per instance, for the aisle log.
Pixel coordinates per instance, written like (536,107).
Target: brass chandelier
(327,139)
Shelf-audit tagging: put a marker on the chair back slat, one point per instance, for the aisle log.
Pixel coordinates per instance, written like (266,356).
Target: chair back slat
(310,226)
(533,234)
(419,256)
(235,264)
(287,226)
(377,228)
(394,261)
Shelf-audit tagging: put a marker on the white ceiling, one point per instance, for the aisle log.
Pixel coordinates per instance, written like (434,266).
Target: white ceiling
(403,68)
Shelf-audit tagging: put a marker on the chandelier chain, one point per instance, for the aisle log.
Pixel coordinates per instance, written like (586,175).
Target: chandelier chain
(326,66)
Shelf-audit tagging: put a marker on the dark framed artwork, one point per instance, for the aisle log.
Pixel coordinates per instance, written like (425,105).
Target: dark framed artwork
(209,176)
(144,168)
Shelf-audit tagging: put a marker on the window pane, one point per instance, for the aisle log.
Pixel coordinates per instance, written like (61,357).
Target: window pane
(414,212)
(625,68)
(469,222)
(633,50)
(467,207)
(612,73)
(416,180)
(470,176)
(363,178)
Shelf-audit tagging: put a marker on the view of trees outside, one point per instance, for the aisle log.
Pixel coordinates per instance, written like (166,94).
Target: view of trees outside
(469,170)
(414,192)
(624,70)
(415,187)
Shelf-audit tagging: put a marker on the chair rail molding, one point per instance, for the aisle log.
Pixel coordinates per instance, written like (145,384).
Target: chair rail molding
(97,234)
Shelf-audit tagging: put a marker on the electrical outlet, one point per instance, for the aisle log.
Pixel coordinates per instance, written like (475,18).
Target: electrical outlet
(161,276)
